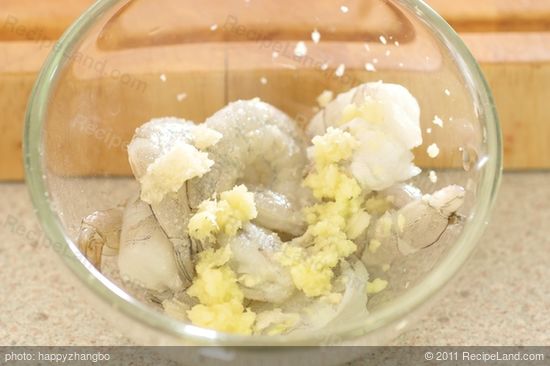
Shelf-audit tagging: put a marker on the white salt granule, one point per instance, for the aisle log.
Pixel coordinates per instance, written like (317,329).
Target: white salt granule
(370,67)
(433,176)
(263,80)
(300,50)
(344,9)
(163,78)
(383,40)
(437,121)
(181,96)
(315,36)
(432,150)
(340,70)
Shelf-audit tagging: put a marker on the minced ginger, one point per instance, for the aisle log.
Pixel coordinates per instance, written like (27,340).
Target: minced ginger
(221,300)
(225,215)
(215,285)
(337,218)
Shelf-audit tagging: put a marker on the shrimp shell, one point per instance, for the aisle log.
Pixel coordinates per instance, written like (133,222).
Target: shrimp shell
(414,226)
(146,256)
(99,232)
(151,141)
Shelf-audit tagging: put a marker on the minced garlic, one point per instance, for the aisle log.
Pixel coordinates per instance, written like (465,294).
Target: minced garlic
(335,145)
(216,284)
(329,182)
(230,317)
(225,215)
(221,299)
(169,172)
(376,286)
(333,221)
(370,111)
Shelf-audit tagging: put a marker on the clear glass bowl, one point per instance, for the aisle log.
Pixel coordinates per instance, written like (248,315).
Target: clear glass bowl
(125,62)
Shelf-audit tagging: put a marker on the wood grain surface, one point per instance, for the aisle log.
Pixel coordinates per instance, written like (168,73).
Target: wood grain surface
(510,39)
(495,15)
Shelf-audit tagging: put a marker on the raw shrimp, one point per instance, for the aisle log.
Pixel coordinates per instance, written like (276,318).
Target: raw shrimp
(390,104)
(261,276)
(172,214)
(349,302)
(153,141)
(146,256)
(264,149)
(416,225)
(158,137)
(99,233)
(426,220)
(385,119)
(353,282)
(278,212)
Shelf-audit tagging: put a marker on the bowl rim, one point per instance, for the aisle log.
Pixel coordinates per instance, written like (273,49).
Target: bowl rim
(111,294)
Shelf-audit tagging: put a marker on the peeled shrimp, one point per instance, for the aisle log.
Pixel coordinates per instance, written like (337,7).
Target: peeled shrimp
(158,137)
(322,313)
(99,233)
(278,212)
(146,255)
(261,277)
(385,119)
(151,142)
(353,306)
(264,149)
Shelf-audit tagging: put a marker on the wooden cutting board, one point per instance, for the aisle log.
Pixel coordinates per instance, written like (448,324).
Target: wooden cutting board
(510,39)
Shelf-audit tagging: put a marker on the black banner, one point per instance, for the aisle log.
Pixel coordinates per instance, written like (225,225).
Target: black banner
(316,356)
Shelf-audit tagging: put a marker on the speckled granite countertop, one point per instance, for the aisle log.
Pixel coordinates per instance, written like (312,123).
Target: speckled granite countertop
(501,297)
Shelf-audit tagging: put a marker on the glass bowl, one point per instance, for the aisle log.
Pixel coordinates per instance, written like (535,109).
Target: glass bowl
(125,62)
